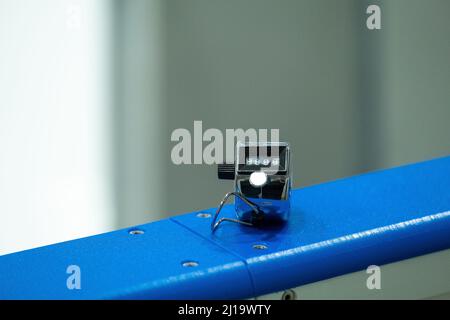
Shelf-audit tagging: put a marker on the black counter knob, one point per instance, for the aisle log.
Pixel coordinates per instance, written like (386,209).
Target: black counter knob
(225,171)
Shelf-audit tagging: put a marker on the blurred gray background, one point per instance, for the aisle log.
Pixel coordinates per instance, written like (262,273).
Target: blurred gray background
(348,99)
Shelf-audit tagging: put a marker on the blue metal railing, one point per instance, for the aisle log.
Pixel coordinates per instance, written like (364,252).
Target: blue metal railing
(335,228)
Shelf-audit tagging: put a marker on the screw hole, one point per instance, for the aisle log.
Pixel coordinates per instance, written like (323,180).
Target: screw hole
(260,246)
(204,215)
(189,264)
(288,295)
(136,232)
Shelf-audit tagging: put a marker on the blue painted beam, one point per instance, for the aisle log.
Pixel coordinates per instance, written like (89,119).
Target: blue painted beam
(335,228)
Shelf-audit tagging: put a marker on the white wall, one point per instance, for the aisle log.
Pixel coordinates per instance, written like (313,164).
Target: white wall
(54,121)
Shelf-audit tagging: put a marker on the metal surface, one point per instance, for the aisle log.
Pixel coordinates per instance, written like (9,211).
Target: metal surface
(272,199)
(334,229)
